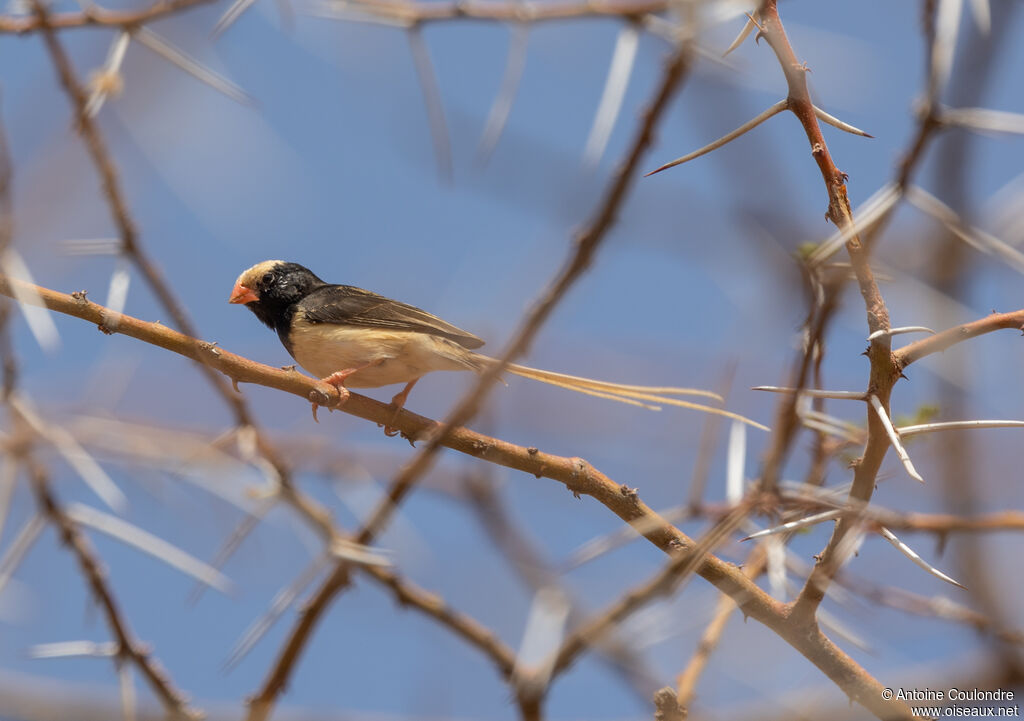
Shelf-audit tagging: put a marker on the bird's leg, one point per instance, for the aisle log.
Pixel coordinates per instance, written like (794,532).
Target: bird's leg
(338,378)
(397,403)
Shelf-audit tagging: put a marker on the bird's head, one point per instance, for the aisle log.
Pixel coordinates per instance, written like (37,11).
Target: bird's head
(269,288)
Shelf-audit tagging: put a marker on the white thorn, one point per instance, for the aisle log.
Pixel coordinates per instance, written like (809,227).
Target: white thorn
(909,553)
(747,126)
(894,438)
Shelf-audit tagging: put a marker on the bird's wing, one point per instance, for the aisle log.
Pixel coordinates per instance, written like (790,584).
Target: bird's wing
(348,305)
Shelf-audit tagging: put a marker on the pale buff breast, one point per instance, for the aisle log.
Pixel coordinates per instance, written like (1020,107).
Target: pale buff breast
(399,356)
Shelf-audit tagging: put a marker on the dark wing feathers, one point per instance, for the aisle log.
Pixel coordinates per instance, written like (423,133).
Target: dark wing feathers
(348,305)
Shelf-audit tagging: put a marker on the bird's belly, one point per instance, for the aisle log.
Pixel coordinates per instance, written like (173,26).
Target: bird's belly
(384,357)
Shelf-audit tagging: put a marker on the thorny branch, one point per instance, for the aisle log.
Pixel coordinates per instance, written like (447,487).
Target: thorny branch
(686,681)
(313,512)
(884,373)
(96,16)
(885,366)
(129,649)
(795,623)
(577,475)
(538,575)
(403,13)
(941,341)
(404,591)
(415,13)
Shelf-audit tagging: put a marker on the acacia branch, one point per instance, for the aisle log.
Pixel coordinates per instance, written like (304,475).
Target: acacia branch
(95,16)
(415,13)
(577,475)
(431,604)
(957,334)
(665,582)
(241,369)
(313,512)
(129,648)
(883,373)
(943,523)
(538,573)
(128,234)
(686,681)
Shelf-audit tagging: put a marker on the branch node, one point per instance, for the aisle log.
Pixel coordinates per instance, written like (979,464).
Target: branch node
(319,397)
(212,349)
(666,706)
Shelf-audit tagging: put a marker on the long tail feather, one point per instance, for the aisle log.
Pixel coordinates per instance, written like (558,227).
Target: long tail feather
(623,393)
(617,389)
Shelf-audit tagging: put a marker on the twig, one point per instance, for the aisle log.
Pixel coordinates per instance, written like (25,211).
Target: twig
(406,13)
(914,430)
(942,523)
(948,338)
(934,607)
(537,573)
(674,573)
(686,681)
(313,512)
(467,628)
(128,647)
(883,373)
(432,100)
(97,16)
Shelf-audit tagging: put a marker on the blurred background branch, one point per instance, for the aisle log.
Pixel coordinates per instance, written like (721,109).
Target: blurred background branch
(323,155)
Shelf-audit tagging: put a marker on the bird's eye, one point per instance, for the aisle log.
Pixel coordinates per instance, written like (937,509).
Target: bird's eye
(268,278)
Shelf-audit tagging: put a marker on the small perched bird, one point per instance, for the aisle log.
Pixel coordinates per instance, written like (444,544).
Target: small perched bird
(351,337)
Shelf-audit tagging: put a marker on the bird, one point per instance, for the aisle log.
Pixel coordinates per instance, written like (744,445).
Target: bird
(354,338)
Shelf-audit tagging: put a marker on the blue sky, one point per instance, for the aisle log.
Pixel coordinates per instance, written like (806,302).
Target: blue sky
(334,168)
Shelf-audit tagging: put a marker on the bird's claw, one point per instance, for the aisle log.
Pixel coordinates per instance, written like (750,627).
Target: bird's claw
(343,396)
(396,407)
(391,432)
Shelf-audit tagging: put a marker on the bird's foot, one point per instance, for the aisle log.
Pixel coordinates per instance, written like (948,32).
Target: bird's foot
(389,427)
(338,381)
(397,403)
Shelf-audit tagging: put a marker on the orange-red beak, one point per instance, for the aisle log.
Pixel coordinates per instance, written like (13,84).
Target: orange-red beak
(242,294)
